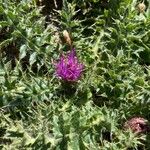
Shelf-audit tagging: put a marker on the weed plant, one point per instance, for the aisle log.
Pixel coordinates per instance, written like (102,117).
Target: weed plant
(38,109)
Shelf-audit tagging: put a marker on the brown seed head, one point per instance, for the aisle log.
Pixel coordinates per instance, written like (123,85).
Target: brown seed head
(67,37)
(141,7)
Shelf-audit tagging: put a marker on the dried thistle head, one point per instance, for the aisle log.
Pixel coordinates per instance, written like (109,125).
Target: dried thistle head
(137,125)
(141,7)
(67,37)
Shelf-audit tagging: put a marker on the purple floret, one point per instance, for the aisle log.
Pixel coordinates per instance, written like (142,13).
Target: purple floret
(68,68)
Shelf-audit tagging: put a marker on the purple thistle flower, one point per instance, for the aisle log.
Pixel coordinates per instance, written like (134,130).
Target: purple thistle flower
(68,68)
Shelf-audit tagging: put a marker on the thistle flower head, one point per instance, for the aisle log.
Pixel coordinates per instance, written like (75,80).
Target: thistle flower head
(141,7)
(68,68)
(137,125)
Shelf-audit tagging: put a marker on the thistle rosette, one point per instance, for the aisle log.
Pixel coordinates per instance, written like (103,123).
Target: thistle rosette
(68,68)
